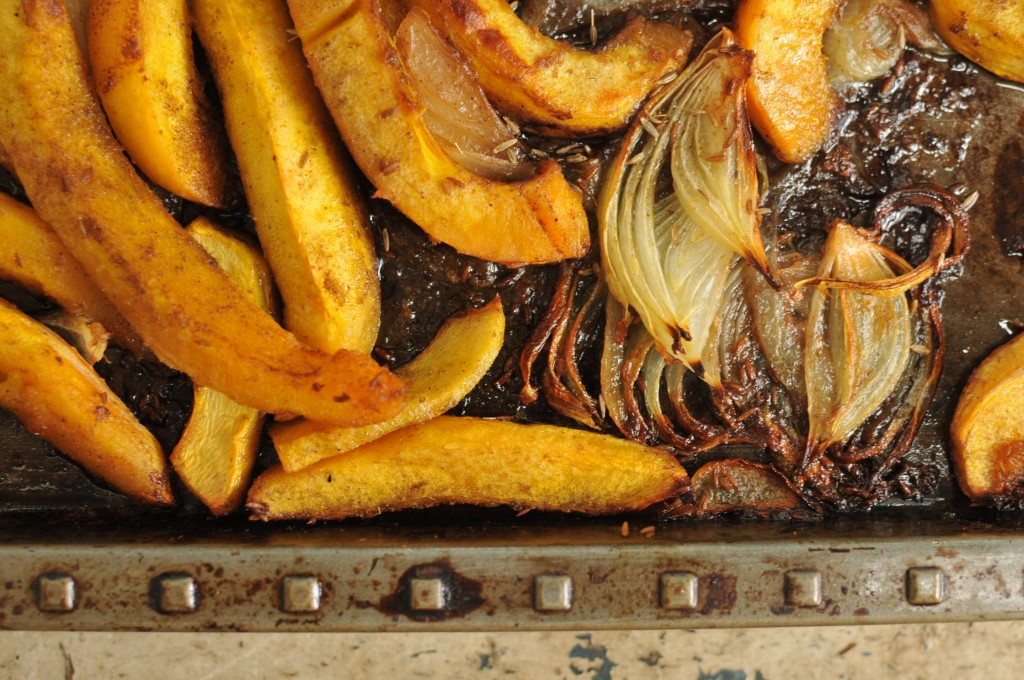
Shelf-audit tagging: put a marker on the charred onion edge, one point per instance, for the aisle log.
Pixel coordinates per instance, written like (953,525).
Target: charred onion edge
(802,506)
(570,400)
(562,362)
(542,332)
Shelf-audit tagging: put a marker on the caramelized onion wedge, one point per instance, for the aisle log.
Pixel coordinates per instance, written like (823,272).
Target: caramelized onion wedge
(451,365)
(57,395)
(34,258)
(456,110)
(561,90)
(857,344)
(185,308)
(667,256)
(950,240)
(740,486)
(141,57)
(217,450)
(478,462)
(869,36)
(302,188)
(779,319)
(988,426)
(714,164)
(358,71)
(617,391)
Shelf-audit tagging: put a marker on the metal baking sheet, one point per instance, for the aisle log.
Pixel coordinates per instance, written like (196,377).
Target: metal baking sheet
(413,574)
(76,556)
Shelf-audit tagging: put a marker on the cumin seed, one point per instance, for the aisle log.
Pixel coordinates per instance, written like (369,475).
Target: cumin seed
(507,144)
(649,126)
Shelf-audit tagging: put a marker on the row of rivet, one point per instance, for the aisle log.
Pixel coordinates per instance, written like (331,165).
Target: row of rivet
(179,593)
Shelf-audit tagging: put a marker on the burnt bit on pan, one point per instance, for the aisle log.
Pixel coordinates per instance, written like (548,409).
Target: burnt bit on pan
(461,595)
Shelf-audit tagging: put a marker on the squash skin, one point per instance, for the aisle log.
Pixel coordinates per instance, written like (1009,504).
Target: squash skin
(58,396)
(360,76)
(558,89)
(184,307)
(140,52)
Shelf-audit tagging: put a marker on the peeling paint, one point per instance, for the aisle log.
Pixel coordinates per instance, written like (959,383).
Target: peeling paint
(729,674)
(599,665)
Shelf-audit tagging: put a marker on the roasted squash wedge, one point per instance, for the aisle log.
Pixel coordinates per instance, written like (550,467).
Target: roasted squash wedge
(35,259)
(311,221)
(57,396)
(988,32)
(559,89)
(790,100)
(357,68)
(451,365)
(479,462)
(142,63)
(175,296)
(987,432)
(217,450)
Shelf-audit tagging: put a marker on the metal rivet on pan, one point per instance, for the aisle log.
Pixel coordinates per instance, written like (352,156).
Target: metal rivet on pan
(925,585)
(300,594)
(679,590)
(426,594)
(803,588)
(176,593)
(56,593)
(552,593)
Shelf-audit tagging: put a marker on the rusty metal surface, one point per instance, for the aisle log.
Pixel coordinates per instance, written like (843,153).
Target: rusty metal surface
(384,578)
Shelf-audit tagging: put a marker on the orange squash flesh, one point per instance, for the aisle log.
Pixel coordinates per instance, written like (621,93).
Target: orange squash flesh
(300,184)
(789,98)
(988,32)
(217,450)
(987,432)
(141,57)
(479,462)
(34,257)
(559,89)
(357,68)
(183,306)
(443,373)
(58,396)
